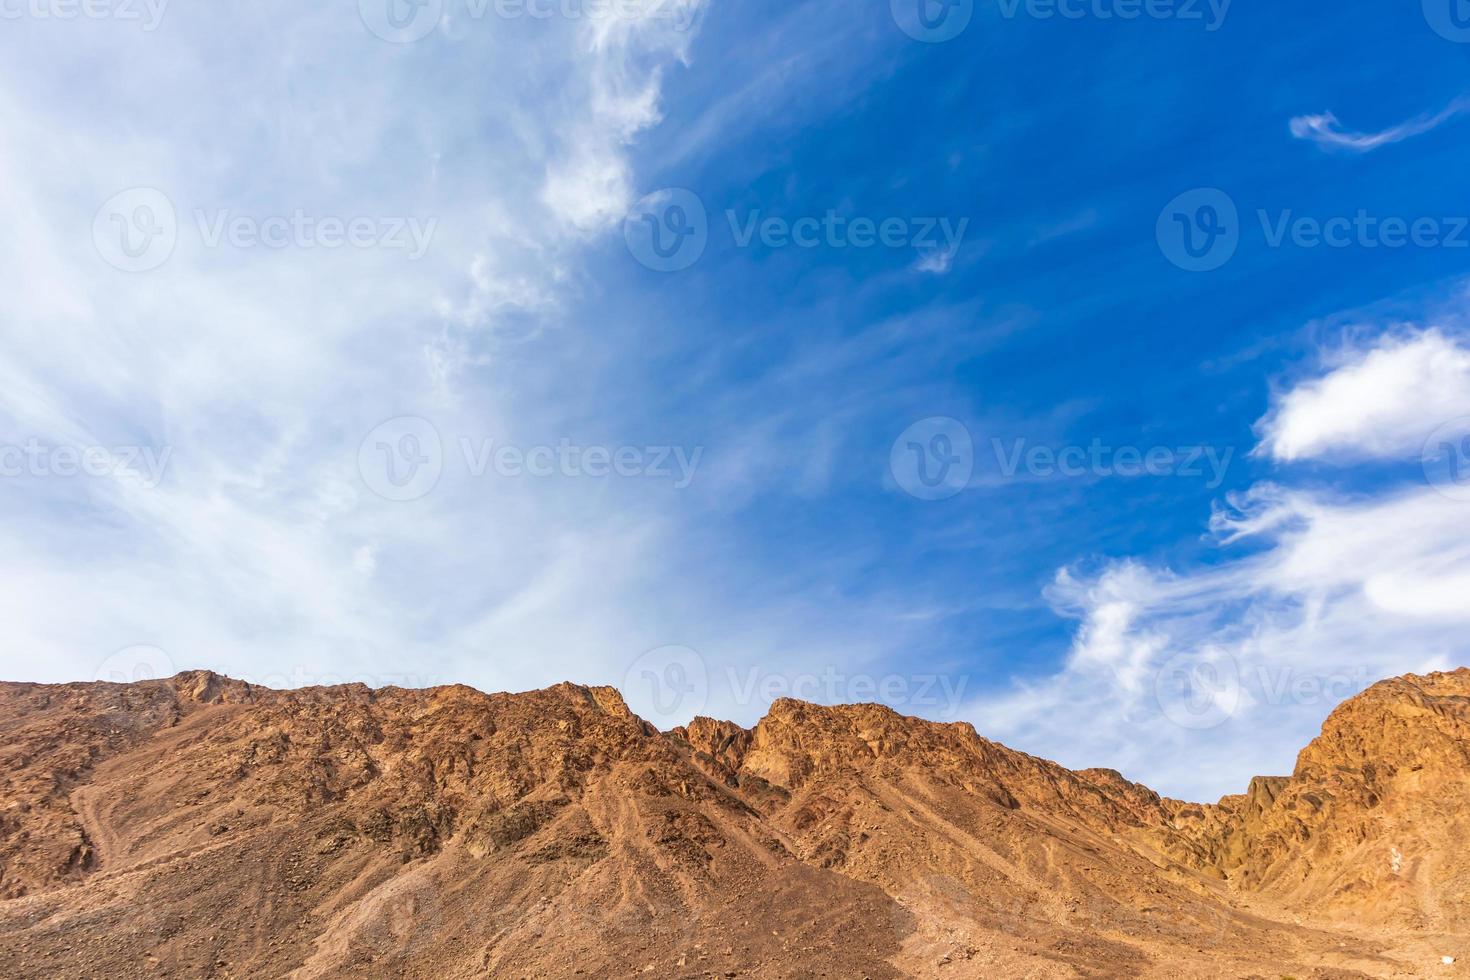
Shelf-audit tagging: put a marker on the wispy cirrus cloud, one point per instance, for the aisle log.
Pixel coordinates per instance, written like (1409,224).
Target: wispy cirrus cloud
(262,375)
(262,552)
(1326,130)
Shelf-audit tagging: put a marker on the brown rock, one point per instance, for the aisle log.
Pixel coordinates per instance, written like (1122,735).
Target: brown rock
(168,826)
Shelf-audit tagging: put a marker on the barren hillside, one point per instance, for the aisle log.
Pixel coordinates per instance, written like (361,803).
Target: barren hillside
(202,827)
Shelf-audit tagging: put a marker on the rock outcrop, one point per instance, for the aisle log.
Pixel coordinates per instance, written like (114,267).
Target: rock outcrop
(1370,825)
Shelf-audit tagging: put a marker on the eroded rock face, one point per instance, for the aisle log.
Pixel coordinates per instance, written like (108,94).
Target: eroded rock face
(1372,821)
(200,826)
(718,747)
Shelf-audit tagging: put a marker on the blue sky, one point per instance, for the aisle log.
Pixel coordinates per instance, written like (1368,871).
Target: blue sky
(392,458)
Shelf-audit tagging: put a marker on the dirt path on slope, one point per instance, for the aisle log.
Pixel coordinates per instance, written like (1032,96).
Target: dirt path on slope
(107,847)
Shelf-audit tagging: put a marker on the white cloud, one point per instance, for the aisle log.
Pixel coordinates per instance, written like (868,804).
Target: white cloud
(589,185)
(1326,130)
(1378,402)
(1194,681)
(936,261)
(1337,594)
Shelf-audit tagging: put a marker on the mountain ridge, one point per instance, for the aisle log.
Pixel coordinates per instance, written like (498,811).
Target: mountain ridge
(369,830)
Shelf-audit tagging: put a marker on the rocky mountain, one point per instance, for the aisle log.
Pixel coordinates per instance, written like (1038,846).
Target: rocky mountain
(203,827)
(1369,824)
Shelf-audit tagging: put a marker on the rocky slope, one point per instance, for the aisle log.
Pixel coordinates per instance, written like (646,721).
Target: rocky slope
(202,827)
(1370,824)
